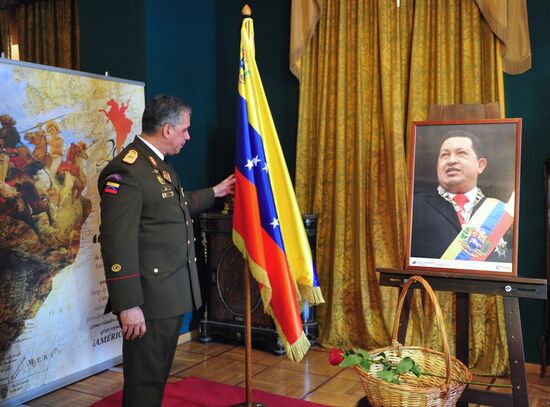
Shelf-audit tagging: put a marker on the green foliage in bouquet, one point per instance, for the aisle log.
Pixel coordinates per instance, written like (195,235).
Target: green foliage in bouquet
(390,372)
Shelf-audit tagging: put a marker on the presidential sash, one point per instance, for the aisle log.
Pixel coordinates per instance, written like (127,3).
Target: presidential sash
(479,237)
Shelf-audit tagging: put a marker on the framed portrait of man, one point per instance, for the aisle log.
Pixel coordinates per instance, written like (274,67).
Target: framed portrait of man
(464,197)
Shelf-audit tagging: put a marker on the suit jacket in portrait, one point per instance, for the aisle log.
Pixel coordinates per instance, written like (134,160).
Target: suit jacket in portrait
(146,234)
(435,225)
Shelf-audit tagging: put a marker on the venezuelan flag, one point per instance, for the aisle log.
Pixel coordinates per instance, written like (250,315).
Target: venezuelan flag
(267,225)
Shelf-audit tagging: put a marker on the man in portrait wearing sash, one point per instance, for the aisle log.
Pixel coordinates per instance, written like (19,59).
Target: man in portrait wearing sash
(147,245)
(457,221)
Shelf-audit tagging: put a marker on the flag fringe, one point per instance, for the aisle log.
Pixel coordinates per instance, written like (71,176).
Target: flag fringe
(294,351)
(257,271)
(312,295)
(297,350)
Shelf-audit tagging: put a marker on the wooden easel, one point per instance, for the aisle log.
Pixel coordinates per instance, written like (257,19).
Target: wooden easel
(511,289)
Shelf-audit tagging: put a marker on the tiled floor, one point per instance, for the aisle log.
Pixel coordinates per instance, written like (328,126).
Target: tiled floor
(312,379)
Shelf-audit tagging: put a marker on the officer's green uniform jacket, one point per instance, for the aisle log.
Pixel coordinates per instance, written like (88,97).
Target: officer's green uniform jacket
(146,235)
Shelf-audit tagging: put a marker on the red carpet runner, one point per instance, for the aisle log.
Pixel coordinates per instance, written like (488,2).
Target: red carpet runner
(195,392)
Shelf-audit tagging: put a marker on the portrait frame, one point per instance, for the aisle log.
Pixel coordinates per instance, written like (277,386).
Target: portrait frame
(486,242)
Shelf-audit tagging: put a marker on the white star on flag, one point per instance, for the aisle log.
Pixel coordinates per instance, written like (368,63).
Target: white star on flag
(249,164)
(265,168)
(255,161)
(275,223)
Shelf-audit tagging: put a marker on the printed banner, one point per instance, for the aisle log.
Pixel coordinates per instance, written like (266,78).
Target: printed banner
(59,128)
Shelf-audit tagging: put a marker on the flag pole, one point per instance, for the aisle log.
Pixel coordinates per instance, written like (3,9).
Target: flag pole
(248,334)
(248,342)
(246,13)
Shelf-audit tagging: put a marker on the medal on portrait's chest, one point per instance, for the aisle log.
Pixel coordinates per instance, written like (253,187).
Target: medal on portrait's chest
(166,176)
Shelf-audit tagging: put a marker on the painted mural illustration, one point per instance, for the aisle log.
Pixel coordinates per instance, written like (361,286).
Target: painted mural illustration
(54,141)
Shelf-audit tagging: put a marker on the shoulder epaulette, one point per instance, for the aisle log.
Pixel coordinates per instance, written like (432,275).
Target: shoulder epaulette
(130,157)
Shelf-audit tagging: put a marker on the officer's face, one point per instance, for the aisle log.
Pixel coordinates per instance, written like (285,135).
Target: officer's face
(458,166)
(179,134)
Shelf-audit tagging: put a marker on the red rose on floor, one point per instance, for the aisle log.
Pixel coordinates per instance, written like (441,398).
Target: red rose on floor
(336,356)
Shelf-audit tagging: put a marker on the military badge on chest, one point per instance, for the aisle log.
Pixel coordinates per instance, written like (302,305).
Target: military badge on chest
(166,191)
(163,178)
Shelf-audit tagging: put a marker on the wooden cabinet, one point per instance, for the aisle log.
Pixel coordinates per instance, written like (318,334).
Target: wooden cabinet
(222,267)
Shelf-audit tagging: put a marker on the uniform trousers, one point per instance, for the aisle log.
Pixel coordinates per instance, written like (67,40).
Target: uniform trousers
(147,362)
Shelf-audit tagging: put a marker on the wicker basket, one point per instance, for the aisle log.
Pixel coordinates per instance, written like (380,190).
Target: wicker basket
(417,391)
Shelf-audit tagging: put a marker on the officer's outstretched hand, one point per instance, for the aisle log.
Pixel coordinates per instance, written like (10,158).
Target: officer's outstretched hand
(133,323)
(227,186)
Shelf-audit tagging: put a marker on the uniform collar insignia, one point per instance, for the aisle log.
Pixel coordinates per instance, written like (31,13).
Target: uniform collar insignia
(153,161)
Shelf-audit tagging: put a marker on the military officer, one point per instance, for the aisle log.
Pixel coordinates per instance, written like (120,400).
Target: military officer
(146,237)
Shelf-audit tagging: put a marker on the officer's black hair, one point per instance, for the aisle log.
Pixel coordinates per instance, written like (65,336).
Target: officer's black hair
(161,110)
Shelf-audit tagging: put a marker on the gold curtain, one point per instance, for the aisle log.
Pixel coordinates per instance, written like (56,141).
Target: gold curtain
(5,32)
(508,20)
(350,168)
(49,33)
(370,69)
(303,21)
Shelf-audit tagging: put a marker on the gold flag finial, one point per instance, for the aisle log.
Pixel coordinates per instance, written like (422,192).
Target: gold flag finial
(246,12)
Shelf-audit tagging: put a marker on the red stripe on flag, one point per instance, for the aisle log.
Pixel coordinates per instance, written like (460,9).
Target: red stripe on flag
(269,256)
(283,300)
(246,218)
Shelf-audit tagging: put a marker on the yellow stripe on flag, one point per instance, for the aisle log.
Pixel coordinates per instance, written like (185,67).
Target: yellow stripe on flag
(294,236)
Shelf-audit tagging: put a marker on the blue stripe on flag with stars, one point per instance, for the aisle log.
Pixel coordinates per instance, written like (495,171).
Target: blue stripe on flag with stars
(251,162)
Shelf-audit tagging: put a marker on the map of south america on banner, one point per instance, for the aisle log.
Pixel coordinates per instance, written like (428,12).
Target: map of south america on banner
(59,128)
